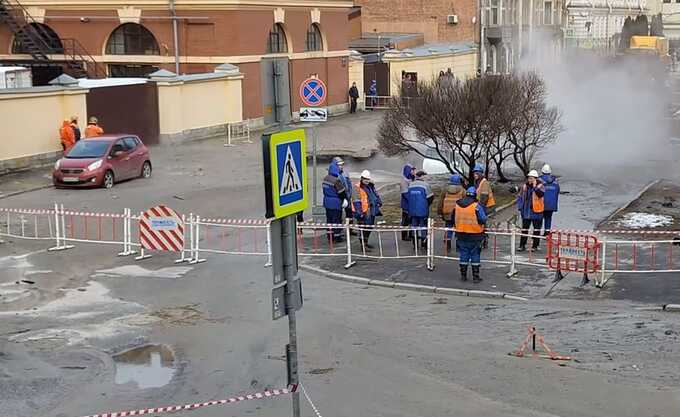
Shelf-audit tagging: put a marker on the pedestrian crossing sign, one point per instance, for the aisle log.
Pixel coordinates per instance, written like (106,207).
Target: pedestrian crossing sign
(285,164)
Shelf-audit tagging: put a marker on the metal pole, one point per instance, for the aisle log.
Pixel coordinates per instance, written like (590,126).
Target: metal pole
(290,270)
(314,167)
(175,41)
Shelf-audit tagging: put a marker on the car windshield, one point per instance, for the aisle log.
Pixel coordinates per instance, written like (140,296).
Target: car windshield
(88,149)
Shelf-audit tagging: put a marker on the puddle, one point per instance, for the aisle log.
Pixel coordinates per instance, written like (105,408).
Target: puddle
(150,366)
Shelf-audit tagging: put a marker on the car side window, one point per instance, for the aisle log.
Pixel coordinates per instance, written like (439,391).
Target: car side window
(118,146)
(130,143)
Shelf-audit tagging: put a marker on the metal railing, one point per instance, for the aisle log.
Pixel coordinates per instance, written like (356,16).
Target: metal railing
(658,253)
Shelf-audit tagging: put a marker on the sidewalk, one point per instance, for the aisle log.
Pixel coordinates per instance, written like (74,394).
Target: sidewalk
(25,181)
(346,135)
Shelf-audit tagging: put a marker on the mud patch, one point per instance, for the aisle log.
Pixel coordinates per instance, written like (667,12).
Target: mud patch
(150,366)
(187,315)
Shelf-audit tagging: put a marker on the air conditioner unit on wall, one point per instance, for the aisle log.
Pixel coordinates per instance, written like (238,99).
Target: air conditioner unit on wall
(452,19)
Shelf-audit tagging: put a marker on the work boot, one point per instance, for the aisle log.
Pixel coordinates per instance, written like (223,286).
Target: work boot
(475,274)
(463,272)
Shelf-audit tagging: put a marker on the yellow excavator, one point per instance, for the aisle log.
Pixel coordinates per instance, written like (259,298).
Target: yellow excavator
(653,46)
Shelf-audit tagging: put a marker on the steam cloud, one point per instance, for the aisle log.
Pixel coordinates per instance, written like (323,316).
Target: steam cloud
(615,113)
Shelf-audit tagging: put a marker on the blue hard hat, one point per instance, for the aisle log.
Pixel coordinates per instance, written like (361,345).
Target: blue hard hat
(472,191)
(478,168)
(455,179)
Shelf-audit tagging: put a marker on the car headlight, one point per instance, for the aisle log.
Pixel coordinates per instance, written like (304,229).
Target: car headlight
(57,164)
(94,165)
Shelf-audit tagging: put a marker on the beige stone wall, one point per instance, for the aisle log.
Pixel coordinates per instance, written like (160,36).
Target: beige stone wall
(31,119)
(198,104)
(356,74)
(463,66)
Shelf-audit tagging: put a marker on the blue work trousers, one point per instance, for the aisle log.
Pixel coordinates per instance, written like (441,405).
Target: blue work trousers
(547,221)
(470,251)
(420,222)
(334,217)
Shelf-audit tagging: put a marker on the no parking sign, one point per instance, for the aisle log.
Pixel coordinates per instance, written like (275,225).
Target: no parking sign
(313,92)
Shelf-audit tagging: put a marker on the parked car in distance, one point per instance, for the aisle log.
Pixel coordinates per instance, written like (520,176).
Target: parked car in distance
(102,161)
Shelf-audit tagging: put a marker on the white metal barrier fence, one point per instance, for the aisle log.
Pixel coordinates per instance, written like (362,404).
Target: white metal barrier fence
(659,252)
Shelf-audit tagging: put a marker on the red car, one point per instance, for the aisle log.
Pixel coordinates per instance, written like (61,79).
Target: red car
(102,161)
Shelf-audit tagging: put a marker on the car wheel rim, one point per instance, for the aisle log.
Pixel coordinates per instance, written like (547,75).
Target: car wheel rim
(147,171)
(108,181)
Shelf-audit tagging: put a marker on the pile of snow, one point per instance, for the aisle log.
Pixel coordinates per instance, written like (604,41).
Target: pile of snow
(645,220)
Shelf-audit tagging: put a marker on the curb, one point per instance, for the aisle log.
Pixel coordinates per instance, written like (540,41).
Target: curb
(628,204)
(28,190)
(671,307)
(413,287)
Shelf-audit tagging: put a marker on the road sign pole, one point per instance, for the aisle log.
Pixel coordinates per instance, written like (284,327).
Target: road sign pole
(315,184)
(290,270)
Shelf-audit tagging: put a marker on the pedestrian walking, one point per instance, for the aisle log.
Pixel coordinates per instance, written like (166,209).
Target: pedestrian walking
(334,201)
(373,94)
(66,135)
(550,198)
(366,205)
(93,129)
(531,205)
(453,192)
(469,219)
(75,127)
(408,175)
(420,198)
(353,97)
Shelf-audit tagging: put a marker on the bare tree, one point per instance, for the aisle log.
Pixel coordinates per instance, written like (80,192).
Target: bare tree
(535,124)
(487,119)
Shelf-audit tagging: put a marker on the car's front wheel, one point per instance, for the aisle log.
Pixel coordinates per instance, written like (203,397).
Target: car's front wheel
(108,180)
(146,169)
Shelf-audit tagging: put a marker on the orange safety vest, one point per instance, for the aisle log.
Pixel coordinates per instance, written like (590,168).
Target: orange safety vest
(450,203)
(363,197)
(93,131)
(537,203)
(466,219)
(491,202)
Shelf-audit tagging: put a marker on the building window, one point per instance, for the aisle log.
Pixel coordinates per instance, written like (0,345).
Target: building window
(314,41)
(132,39)
(493,17)
(548,13)
(131,71)
(50,38)
(277,42)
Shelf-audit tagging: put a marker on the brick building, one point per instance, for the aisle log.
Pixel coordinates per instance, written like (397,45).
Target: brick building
(431,18)
(275,44)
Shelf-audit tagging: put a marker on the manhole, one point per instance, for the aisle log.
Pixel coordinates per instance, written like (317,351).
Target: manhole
(150,366)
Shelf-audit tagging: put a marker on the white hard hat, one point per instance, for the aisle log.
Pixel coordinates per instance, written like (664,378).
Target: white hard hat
(533,173)
(546,169)
(366,174)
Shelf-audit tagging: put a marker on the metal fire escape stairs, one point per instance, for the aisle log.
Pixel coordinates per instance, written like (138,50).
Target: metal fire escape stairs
(37,42)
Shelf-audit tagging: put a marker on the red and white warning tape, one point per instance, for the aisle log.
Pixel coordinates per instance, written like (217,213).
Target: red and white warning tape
(26,211)
(174,408)
(258,222)
(91,214)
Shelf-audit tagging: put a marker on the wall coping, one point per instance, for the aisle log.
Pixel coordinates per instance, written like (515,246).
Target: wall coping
(195,78)
(43,91)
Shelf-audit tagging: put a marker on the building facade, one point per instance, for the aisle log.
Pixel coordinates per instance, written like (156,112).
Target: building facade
(440,21)
(275,44)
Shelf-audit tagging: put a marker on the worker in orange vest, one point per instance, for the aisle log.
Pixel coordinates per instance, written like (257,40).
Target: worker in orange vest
(93,129)
(66,135)
(366,205)
(469,219)
(450,195)
(531,205)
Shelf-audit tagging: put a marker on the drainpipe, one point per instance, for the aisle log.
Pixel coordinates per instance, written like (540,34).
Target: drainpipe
(174,35)
(520,23)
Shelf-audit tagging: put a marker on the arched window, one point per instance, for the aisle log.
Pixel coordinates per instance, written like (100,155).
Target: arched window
(314,41)
(38,29)
(277,42)
(132,39)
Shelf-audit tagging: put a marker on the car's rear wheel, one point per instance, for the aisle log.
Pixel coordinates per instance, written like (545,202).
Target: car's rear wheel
(146,169)
(108,179)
